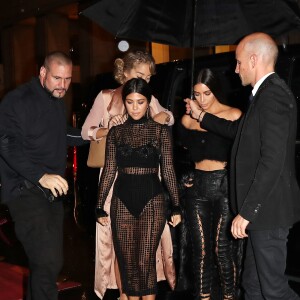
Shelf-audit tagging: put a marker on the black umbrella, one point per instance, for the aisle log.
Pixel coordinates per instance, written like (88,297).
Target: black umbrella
(194,23)
(216,22)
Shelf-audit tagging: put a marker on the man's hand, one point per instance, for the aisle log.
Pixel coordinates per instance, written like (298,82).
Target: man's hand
(238,227)
(192,108)
(162,118)
(55,183)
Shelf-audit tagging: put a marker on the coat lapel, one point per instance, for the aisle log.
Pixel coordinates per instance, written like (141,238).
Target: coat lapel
(240,132)
(253,102)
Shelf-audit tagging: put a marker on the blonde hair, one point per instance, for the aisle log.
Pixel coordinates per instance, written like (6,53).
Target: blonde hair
(129,61)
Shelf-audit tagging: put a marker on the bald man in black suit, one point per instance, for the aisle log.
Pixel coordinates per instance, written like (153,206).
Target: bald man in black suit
(264,190)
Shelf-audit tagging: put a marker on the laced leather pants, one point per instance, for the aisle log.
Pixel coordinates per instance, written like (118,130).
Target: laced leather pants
(209,221)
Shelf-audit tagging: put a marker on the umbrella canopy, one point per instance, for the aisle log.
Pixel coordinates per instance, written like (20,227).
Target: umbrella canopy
(213,22)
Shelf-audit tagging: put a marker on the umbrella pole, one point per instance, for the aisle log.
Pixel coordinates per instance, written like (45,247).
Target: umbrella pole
(193,46)
(192,73)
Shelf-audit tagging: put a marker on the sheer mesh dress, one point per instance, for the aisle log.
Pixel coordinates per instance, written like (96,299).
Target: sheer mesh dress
(138,209)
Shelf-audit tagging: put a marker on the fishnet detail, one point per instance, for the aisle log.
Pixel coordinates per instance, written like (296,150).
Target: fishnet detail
(138,149)
(139,171)
(135,242)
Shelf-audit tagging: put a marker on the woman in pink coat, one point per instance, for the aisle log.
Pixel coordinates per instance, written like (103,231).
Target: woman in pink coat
(107,111)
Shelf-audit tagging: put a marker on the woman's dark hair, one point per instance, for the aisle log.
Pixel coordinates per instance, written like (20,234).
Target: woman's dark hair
(212,81)
(137,85)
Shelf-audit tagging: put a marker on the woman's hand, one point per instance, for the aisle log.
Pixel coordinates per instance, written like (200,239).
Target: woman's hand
(103,221)
(117,120)
(175,220)
(162,118)
(189,183)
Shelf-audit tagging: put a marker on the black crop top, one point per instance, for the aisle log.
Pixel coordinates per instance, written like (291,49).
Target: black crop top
(204,145)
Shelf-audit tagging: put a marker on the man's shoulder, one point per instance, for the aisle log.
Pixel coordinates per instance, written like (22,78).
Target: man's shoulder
(21,93)
(274,80)
(273,83)
(283,85)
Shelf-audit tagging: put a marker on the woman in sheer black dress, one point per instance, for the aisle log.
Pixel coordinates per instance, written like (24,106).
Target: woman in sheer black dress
(135,150)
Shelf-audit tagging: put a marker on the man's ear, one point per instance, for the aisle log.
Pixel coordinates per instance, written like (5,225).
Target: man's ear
(253,60)
(43,71)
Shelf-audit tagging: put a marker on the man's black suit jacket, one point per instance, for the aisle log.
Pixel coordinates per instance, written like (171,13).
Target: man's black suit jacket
(263,185)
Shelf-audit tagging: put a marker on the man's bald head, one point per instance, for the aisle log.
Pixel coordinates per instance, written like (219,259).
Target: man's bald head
(256,56)
(261,45)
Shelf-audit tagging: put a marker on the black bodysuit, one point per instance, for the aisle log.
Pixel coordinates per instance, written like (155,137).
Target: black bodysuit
(138,209)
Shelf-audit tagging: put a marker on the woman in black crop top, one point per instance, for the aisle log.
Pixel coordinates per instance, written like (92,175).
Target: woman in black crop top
(138,208)
(206,204)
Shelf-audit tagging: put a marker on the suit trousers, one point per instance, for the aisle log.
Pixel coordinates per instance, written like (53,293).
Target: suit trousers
(39,227)
(264,268)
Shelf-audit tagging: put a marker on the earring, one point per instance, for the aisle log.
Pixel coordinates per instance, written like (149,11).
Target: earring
(148,112)
(125,116)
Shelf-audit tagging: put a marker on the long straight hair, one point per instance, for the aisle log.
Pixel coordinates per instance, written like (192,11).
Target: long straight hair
(212,81)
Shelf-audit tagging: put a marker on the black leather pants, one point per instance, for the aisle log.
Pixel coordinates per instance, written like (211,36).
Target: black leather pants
(209,220)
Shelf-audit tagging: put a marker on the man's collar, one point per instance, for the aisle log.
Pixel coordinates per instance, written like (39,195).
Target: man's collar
(259,82)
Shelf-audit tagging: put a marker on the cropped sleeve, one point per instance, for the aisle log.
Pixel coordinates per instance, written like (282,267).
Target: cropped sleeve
(167,167)
(108,174)
(96,118)
(157,108)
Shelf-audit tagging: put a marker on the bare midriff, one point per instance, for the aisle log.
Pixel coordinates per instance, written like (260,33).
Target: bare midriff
(210,165)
